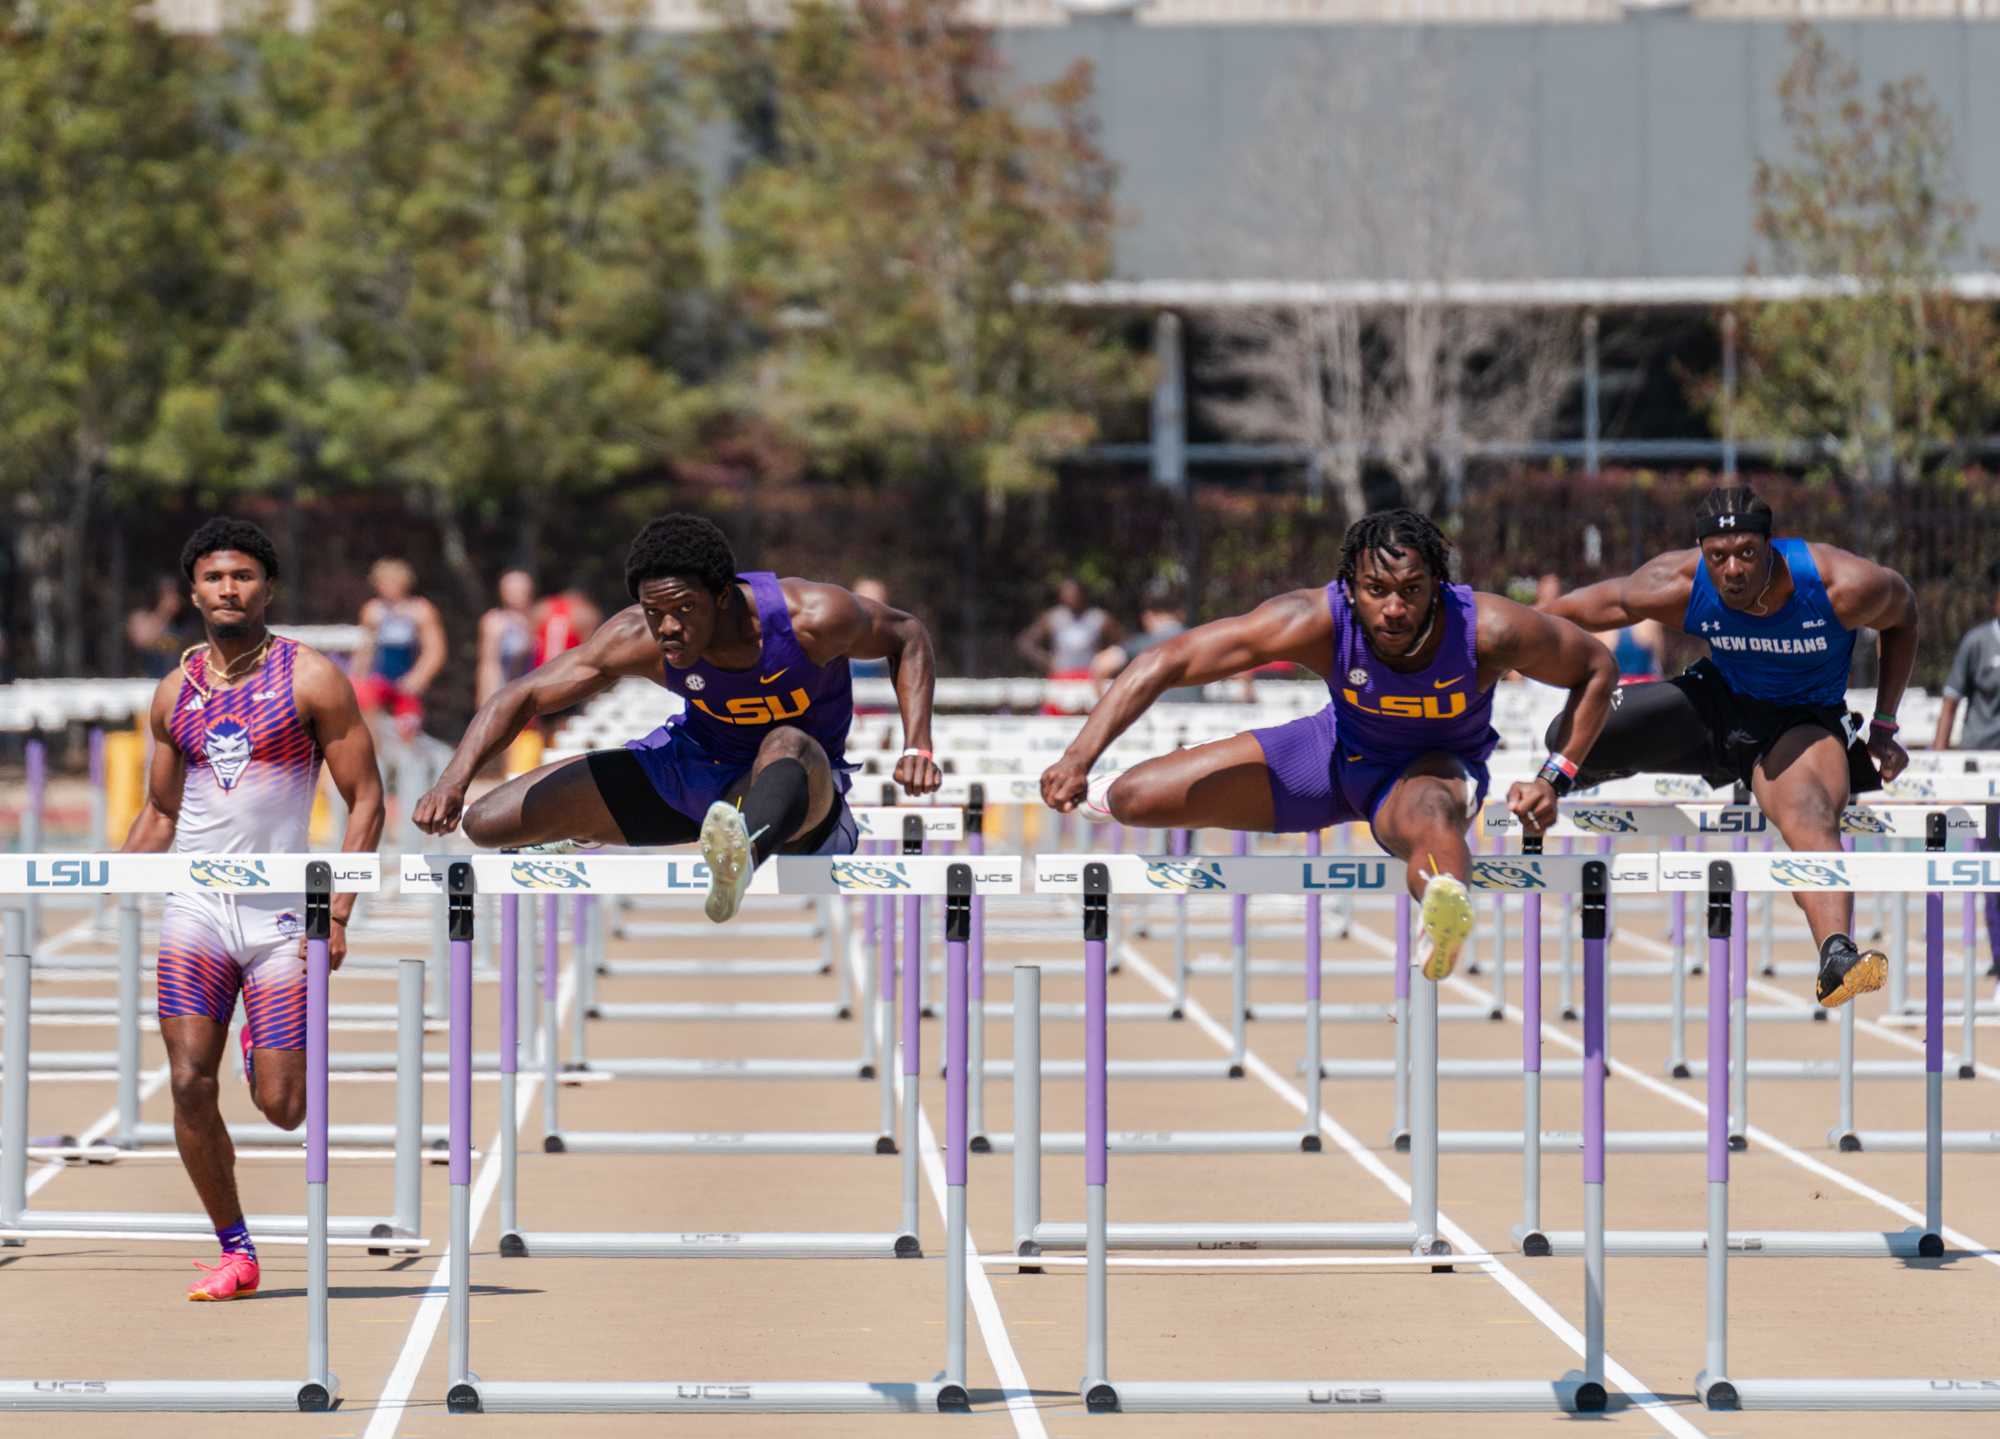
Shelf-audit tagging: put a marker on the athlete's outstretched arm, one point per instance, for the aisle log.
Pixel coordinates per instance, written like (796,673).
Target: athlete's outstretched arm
(153,827)
(1865,593)
(831,622)
(1657,590)
(622,648)
(1556,652)
(327,702)
(1296,628)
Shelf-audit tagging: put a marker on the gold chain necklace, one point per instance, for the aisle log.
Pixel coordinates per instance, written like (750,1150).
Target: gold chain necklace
(228,672)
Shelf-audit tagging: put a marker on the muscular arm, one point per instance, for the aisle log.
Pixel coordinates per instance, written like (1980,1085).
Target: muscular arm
(1865,593)
(832,622)
(1658,590)
(430,650)
(1554,651)
(622,648)
(326,700)
(153,827)
(1295,627)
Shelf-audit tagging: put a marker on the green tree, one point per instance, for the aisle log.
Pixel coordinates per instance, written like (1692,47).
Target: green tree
(474,240)
(1878,364)
(894,241)
(109,277)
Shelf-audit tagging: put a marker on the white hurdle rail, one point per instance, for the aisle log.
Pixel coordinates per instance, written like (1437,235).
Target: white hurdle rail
(318,879)
(132,874)
(959,880)
(1097,878)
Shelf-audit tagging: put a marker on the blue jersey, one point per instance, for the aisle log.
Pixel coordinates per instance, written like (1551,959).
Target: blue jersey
(1798,656)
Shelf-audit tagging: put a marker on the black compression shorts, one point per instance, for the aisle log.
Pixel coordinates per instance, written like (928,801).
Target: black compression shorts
(1695,724)
(648,821)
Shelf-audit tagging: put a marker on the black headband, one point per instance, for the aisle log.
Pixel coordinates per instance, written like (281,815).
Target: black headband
(1755,523)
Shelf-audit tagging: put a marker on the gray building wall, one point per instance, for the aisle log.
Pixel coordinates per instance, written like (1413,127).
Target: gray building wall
(1636,146)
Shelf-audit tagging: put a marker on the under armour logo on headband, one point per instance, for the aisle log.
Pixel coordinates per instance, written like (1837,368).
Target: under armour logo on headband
(1725,522)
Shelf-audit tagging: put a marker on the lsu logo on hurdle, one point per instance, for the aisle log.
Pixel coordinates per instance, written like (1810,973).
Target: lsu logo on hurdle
(1968,873)
(1605,821)
(229,874)
(69,874)
(541,874)
(1859,819)
(1183,876)
(1809,874)
(1506,874)
(855,874)
(1346,874)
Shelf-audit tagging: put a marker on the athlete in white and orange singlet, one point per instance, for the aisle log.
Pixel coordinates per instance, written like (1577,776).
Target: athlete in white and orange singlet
(239,730)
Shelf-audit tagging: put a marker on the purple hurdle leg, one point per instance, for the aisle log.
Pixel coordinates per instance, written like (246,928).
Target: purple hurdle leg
(510,1062)
(883,923)
(460,1393)
(1530,1236)
(913,970)
(1722,924)
(1934,1071)
(1400,1122)
(1596,927)
(317,969)
(551,963)
(1096,1068)
(1309,1140)
(976,1044)
(1239,953)
(1739,1007)
(957,1001)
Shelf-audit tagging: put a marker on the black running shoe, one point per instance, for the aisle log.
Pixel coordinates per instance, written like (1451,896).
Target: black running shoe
(1845,971)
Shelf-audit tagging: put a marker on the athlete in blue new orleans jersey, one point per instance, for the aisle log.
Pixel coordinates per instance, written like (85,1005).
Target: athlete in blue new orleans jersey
(1410,660)
(755,764)
(1768,708)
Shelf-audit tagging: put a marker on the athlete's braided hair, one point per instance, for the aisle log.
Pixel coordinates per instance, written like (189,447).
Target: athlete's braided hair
(1392,532)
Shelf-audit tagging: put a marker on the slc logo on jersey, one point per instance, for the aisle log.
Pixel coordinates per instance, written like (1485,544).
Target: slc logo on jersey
(857,874)
(1505,874)
(1182,876)
(1809,874)
(541,874)
(1605,821)
(228,874)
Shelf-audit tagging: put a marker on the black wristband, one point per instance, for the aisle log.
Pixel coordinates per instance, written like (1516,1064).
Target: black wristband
(1556,778)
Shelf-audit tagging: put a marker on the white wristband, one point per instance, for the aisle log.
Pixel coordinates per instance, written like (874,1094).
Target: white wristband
(914,751)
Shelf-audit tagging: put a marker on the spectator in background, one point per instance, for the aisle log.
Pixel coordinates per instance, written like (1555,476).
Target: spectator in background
(1975,681)
(1062,641)
(564,621)
(159,632)
(1640,650)
(506,636)
(1162,615)
(402,648)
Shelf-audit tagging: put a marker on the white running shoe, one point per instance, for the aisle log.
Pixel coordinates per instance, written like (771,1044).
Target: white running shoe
(1095,806)
(725,844)
(1447,922)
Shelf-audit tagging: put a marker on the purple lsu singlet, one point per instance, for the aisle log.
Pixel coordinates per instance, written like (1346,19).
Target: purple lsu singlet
(1384,711)
(730,711)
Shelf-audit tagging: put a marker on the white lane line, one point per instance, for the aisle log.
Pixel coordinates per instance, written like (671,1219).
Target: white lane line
(1021,1407)
(1638,1393)
(395,1398)
(149,1085)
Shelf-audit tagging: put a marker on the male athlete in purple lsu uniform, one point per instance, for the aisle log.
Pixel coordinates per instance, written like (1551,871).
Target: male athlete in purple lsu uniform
(1411,660)
(756,763)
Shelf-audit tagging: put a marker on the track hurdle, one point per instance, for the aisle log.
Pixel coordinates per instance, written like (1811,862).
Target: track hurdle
(1099,880)
(959,881)
(1717,1388)
(1724,882)
(319,879)
(131,874)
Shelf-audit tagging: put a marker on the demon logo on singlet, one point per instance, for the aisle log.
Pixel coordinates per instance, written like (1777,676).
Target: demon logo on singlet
(227,746)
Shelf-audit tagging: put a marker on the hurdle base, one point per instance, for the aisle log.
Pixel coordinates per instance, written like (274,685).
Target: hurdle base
(725,1397)
(730,1068)
(1003,1069)
(112,1223)
(1322,1396)
(1750,1244)
(749,1011)
(1714,1391)
(1531,1242)
(1634,1141)
(1851,1394)
(1271,1141)
(708,1245)
(1914,1141)
(143,1396)
(666,1142)
(1055,1237)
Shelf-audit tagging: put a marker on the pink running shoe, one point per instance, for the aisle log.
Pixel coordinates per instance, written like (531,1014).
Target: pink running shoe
(234,1276)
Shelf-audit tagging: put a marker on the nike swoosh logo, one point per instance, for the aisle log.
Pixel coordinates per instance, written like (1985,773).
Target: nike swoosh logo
(766,679)
(1446,684)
